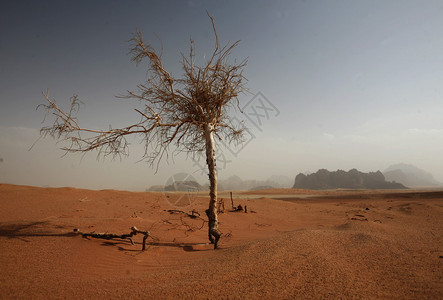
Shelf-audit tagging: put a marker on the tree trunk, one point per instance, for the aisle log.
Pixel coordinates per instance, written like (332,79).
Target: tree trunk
(211,212)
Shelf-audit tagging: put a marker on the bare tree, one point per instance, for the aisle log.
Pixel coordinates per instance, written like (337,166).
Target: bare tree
(185,113)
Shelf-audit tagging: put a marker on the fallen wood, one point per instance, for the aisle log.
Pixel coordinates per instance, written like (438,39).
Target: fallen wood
(110,236)
(193,215)
(238,208)
(232,202)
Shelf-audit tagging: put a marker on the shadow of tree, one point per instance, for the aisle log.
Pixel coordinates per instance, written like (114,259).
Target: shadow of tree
(122,245)
(22,230)
(184,246)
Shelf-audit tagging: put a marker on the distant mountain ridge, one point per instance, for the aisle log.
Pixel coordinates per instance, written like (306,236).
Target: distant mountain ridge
(353,179)
(231,183)
(183,186)
(410,175)
(236,183)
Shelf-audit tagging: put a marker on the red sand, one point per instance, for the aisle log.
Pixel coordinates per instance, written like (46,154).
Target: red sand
(371,245)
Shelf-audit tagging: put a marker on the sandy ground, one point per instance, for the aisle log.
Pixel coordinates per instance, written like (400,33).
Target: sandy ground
(338,245)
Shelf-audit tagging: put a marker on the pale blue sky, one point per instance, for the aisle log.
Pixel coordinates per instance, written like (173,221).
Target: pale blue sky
(358,84)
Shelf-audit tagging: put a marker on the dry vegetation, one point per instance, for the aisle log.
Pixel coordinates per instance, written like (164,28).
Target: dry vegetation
(179,113)
(372,246)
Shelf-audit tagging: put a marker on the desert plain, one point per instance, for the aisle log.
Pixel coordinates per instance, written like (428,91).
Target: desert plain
(291,244)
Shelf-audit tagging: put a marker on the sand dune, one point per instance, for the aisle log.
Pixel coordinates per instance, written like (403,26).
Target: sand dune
(339,244)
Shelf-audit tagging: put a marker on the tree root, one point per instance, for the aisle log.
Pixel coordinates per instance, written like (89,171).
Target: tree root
(110,236)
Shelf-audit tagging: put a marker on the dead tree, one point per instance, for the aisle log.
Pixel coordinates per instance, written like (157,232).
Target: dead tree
(186,113)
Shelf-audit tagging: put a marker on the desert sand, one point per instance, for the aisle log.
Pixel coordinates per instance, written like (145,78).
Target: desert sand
(292,244)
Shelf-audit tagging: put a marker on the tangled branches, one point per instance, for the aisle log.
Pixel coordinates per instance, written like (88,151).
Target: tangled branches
(175,110)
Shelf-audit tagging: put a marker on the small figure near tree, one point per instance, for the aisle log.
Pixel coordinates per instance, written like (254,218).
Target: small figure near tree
(185,112)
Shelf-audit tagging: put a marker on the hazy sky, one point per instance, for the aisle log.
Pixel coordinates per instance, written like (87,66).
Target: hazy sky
(349,84)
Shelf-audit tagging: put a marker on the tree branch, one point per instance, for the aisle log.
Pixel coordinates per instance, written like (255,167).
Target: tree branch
(110,236)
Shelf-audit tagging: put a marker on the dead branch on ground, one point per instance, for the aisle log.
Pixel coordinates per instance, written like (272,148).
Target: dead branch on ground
(110,236)
(238,208)
(183,224)
(232,201)
(193,215)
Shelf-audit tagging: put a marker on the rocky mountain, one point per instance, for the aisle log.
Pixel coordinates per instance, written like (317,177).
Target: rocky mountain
(184,186)
(234,182)
(353,179)
(156,188)
(410,175)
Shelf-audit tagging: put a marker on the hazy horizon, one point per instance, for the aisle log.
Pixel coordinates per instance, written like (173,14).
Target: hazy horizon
(334,85)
